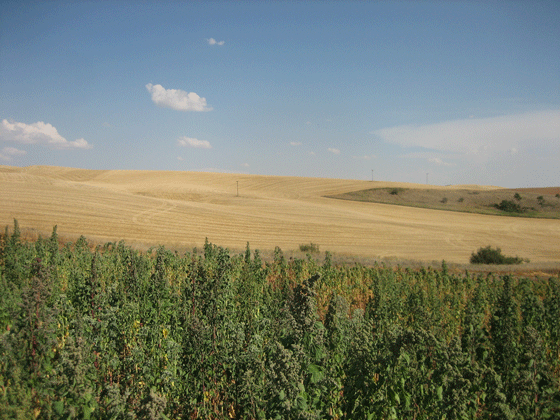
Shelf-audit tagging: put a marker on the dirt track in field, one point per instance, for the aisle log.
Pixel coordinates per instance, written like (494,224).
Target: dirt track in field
(181,209)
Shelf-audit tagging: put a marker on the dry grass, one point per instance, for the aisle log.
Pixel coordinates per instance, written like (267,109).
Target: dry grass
(466,200)
(181,209)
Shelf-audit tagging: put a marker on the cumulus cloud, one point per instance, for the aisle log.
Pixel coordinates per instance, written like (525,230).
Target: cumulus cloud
(177,99)
(333,150)
(192,142)
(477,135)
(7,154)
(295,143)
(212,41)
(38,133)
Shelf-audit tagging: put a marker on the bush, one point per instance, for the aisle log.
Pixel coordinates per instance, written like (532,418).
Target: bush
(311,247)
(509,206)
(444,200)
(517,196)
(489,255)
(540,199)
(395,191)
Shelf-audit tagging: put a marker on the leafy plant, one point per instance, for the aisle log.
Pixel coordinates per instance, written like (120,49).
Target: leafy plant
(509,206)
(310,247)
(116,333)
(489,255)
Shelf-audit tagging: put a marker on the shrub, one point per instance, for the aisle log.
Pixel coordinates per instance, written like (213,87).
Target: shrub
(311,247)
(540,199)
(461,199)
(509,206)
(489,255)
(517,196)
(557,196)
(394,191)
(444,200)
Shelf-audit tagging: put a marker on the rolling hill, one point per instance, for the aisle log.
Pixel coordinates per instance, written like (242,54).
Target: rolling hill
(181,209)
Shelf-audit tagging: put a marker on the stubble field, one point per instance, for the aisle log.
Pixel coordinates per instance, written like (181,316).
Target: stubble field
(181,209)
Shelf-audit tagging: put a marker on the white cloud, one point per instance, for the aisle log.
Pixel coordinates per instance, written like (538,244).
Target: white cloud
(180,158)
(333,150)
(38,133)
(177,99)
(295,143)
(192,142)
(246,165)
(8,153)
(477,135)
(438,161)
(212,41)
(364,157)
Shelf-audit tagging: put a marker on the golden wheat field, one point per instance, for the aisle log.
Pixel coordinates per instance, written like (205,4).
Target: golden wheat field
(181,209)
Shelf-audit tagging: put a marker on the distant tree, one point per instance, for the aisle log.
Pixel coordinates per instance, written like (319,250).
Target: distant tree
(489,255)
(509,206)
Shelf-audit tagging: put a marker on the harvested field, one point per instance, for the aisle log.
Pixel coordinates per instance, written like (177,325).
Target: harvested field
(181,209)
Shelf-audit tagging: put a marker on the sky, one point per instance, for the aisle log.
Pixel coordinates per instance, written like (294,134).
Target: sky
(438,92)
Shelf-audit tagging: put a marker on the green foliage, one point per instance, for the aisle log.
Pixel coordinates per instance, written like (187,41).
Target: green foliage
(517,196)
(114,333)
(395,191)
(540,200)
(509,206)
(489,255)
(311,247)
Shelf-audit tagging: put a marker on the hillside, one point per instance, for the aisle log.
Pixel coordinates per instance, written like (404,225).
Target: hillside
(523,202)
(181,209)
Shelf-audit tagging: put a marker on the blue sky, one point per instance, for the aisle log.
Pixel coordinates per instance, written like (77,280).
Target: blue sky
(467,92)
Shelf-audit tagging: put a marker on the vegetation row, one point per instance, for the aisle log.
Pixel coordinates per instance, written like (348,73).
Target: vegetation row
(113,333)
